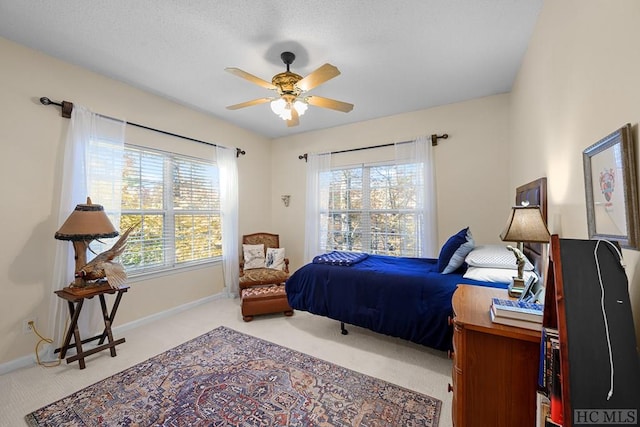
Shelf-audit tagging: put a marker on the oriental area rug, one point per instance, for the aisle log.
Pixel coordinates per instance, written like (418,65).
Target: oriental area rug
(227,378)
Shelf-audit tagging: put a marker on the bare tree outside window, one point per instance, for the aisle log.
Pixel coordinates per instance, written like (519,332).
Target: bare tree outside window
(373,209)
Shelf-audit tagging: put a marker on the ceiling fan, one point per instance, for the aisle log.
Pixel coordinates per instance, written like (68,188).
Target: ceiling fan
(291,103)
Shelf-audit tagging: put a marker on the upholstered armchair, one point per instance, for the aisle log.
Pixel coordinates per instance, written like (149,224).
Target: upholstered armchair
(263,271)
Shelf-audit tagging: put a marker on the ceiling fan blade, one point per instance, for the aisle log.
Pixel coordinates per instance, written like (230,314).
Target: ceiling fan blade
(247,76)
(319,101)
(295,119)
(249,103)
(317,77)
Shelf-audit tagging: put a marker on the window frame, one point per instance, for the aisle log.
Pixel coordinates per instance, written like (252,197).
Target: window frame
(168,214)
(367,236)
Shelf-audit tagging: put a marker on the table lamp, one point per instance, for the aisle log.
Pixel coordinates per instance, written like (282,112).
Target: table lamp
(86,223)
(525,224)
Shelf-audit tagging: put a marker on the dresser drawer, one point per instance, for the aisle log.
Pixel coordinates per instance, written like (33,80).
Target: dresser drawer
(457,381)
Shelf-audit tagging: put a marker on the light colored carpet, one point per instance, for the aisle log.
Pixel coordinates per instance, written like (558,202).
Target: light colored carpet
(397,361)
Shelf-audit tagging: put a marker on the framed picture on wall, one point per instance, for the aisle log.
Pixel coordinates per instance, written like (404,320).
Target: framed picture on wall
(611,189)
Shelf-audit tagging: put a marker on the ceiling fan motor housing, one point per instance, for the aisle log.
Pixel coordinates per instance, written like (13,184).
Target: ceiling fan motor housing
(286,83)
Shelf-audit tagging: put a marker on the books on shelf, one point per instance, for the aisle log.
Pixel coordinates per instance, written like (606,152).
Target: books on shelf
(548,343)
(518,309)
(555,394)
(526,324)
(543,409)
(549,339)
(549,379)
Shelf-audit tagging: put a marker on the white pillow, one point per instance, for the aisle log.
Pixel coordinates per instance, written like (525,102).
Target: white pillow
(495,256)
(253,256)
(275,258)
(496,275)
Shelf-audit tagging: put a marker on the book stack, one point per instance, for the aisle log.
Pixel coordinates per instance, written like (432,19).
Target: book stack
(550,393)
(522,314)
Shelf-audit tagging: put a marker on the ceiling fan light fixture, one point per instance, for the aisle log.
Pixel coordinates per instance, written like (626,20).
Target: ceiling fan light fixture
(283,108)
(286,114)
(300,107)
(279,107)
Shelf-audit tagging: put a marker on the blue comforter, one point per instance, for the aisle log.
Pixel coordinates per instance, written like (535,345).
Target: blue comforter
(402,297)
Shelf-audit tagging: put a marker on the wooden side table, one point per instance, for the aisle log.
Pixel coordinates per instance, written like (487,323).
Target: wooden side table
(495,366)
(75,303)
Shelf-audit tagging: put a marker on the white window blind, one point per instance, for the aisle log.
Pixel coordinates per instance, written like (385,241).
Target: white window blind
(173,200)
(372,208)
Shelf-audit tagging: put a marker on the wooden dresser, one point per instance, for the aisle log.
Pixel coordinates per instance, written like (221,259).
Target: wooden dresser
(495,367)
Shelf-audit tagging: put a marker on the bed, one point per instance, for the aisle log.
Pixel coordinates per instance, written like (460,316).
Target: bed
(409,298)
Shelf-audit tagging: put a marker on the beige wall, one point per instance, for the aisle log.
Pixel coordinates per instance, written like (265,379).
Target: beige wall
(31,137)
(578,83)
(470,169)
(471,166)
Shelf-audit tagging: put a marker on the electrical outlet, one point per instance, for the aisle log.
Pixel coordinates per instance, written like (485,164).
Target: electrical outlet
(26,327)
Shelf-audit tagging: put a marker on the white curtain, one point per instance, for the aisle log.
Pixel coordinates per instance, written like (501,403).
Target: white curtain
(318,179)
(414,160)
(90,139)
(420,152)
(228,166)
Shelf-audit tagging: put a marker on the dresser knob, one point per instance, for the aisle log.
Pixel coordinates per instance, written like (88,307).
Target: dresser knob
(449,388)
(450,354)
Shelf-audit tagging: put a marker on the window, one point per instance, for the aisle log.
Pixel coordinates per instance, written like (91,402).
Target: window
(374,209)
(174,202)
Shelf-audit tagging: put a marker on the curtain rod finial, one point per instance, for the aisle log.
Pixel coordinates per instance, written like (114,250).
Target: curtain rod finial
(435,138)
(67,107)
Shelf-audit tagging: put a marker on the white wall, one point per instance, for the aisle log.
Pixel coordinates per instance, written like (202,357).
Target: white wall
(31,137)
(578,83)
(471,167)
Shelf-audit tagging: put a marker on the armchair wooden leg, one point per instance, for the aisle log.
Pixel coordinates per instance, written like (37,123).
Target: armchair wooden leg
(288,313)
(247,318)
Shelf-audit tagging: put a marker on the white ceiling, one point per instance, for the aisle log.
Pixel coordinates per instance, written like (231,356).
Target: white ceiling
(394,56)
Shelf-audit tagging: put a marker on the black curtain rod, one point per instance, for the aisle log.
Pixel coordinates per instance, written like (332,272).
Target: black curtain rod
(434,142)
(67,108)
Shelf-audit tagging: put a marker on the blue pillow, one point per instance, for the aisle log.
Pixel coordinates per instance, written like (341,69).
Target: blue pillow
(459,256)
(454,251)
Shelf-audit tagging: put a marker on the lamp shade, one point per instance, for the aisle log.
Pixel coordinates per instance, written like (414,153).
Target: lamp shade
(525,224)
(87,222)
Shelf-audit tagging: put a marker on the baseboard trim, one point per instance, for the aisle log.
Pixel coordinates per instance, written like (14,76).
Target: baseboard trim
(27,361)
(16,364)
(175,310)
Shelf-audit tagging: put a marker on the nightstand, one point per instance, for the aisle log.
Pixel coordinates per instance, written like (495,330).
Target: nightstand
(495,367)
